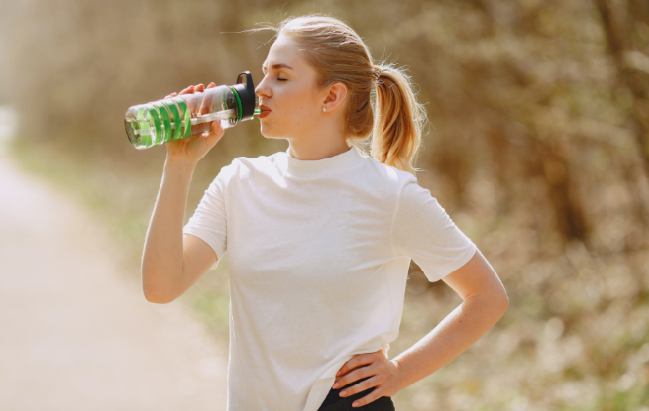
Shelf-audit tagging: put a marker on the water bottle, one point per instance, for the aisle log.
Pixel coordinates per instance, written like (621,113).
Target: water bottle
(177,117)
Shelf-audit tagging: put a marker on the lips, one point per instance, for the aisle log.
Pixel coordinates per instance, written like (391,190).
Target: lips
(265,111)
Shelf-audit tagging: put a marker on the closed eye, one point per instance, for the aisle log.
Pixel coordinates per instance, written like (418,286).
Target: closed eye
(280,79)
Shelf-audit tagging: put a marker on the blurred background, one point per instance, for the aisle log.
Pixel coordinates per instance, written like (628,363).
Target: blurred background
(538,147)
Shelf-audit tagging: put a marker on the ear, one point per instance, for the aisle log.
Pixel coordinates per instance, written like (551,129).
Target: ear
(335,97)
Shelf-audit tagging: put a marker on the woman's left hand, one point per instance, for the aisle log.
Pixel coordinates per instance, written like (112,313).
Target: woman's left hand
(385,376)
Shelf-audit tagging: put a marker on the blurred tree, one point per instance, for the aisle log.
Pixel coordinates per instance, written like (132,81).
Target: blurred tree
(519,94)
(626,25)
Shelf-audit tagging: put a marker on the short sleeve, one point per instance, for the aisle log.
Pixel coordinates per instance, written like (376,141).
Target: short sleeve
(424,231)
(209,220)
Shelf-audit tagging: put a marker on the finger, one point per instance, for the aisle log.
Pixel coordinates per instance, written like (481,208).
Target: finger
(371,397)
(191,107)
(187,90)
(362,384)
(200,87)
(355,362)
(355,376)
(206,101)
(351,377)
(216,128)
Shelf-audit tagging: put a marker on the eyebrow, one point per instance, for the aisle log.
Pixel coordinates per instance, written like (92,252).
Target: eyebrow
(277,66)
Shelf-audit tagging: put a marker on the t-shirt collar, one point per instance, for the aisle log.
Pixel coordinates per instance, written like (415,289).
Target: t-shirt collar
(338,162)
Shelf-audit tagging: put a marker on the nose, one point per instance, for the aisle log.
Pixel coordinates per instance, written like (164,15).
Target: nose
(262,89)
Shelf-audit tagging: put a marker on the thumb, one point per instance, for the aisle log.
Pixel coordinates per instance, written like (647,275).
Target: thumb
(215,133)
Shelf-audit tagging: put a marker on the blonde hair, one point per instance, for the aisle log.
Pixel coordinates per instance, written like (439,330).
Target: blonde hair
(338,54)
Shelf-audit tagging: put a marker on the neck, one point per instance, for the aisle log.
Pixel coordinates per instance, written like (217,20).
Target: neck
(327,141)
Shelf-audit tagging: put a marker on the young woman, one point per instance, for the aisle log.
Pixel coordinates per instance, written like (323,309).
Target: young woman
(320,237)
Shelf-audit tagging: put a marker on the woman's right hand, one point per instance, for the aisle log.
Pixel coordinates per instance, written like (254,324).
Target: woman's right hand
(194,148)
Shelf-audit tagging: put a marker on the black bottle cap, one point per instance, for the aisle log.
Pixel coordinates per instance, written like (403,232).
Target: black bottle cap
(245,87)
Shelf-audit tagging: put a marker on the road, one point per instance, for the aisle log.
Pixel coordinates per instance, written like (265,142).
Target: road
(75,331)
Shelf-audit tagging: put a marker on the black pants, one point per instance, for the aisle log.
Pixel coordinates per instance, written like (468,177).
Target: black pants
(334,402)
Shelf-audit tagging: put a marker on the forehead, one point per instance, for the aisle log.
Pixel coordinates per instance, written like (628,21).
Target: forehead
(284,50)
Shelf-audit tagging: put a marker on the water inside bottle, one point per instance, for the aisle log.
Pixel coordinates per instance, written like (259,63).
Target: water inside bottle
(162,121)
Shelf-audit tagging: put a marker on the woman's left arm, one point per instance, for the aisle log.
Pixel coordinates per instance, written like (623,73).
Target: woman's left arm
(484,303)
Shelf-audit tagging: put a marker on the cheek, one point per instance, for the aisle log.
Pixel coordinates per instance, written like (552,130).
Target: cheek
(300,104)
(303,111)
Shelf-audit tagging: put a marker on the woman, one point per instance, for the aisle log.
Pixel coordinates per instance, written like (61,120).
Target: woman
(320,237)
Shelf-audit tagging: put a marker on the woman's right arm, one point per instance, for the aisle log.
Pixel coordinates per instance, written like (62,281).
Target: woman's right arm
(171,262)
(162,261)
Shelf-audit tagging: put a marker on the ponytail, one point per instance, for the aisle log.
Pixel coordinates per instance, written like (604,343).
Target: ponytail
(399,119)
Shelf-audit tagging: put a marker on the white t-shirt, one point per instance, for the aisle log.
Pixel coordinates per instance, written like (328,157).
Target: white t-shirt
(319,252)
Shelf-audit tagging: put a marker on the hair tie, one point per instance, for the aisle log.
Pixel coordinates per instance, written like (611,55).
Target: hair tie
(378,71)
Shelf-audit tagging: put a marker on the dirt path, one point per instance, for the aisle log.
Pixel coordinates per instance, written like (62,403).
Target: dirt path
(75,332)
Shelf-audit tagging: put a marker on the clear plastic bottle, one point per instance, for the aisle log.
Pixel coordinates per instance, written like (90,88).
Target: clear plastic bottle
(175,118)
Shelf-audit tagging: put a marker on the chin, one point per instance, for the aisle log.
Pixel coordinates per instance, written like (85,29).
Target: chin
(268,133)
